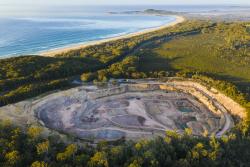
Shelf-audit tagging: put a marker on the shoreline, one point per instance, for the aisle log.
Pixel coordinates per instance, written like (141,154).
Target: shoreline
(53,52)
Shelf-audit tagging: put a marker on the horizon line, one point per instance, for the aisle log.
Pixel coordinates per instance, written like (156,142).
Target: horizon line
(139,4)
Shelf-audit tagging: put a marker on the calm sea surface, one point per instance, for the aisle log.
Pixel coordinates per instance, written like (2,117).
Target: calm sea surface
(33,29)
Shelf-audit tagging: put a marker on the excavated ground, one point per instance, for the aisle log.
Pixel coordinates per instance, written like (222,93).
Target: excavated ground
(132,110)
(127,111)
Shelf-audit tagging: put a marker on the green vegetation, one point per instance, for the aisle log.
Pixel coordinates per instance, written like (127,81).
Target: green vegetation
(221,52)
(218,50)
(19,149)
(217,54)
(29,76)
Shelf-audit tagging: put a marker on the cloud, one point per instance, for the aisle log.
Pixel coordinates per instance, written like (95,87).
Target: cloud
(117,2)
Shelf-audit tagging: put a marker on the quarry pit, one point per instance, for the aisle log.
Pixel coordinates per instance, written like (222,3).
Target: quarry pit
(130,110)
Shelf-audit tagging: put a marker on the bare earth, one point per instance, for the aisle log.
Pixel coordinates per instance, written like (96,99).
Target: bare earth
(130,110)
(54,52)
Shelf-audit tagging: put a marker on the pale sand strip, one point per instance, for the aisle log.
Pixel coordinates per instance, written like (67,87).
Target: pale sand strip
(51,53)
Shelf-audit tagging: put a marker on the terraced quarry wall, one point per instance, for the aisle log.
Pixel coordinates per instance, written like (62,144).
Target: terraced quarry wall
(131,110)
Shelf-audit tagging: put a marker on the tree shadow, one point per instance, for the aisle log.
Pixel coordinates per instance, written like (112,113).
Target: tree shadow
(150,61)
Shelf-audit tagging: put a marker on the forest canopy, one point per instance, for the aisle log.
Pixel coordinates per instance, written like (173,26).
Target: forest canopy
(213,53)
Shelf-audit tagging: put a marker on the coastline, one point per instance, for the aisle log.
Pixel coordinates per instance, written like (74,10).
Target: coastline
(53,52)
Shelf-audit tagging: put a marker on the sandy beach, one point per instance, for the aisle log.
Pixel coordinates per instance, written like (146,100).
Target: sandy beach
(54,52)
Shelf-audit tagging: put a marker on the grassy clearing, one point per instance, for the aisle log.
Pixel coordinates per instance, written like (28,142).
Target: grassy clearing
(199,53)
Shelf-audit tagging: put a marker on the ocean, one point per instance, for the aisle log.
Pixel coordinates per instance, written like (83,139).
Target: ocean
(20,36)
(35,30)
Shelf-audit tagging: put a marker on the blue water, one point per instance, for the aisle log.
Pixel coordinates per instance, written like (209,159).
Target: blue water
(33,29)
(20,36)
(185,109)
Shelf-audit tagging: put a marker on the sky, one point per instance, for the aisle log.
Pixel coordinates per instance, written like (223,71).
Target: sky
(40,7)
(120,2)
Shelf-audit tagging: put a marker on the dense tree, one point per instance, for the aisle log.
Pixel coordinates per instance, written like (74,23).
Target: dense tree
(172,150)
(39,164)
(137,57)
(68,153)
(99,160)
(28,76)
